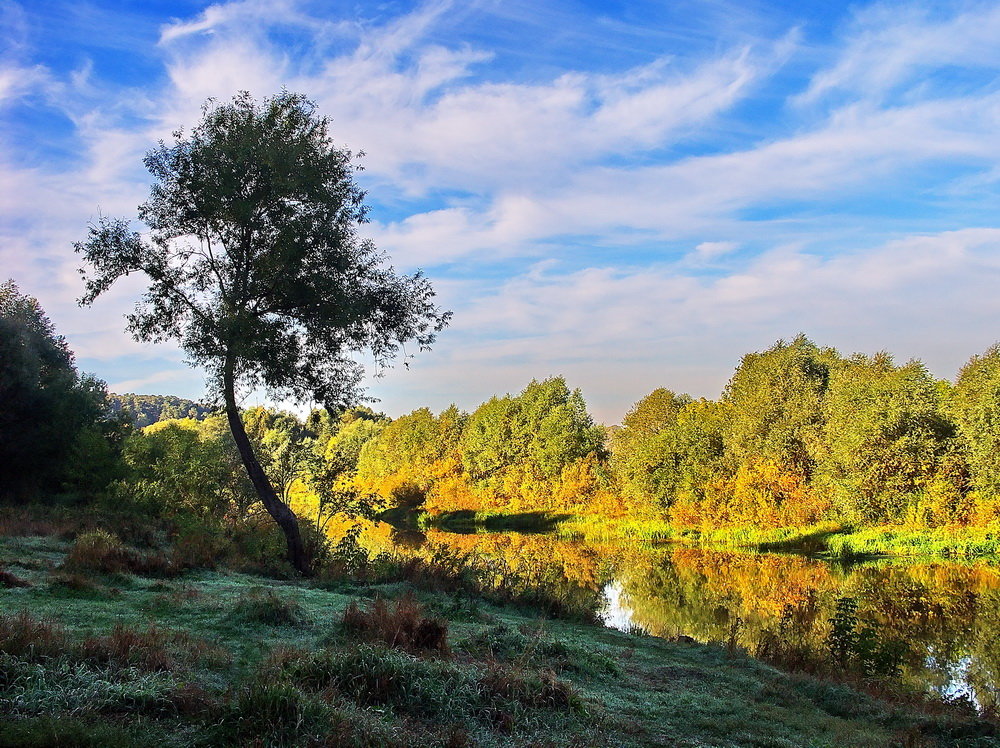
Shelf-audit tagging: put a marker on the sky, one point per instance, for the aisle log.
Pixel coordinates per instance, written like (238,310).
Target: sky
(628,194)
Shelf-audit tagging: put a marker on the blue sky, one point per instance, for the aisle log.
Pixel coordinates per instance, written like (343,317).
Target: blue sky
(629,194)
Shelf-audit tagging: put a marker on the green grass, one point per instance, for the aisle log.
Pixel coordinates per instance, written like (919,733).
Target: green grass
(891,541)
(824,538)
(223,658)
(600,528)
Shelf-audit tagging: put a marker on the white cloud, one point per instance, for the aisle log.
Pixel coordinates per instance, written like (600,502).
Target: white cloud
(890,44)
(621,332)
(614,176)
(712,250)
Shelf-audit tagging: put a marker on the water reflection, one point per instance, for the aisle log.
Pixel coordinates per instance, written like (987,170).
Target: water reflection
(933,622)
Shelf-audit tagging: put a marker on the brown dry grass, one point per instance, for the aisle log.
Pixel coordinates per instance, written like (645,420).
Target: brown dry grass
(11,580)
(102,552)
(403,625)
(29,638)
(152,649)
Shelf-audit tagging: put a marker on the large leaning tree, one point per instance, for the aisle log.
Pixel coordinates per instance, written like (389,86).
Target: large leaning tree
(256,268)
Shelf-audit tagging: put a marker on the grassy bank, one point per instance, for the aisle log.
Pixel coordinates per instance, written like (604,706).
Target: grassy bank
(824,538)
(223,658)
(892,541)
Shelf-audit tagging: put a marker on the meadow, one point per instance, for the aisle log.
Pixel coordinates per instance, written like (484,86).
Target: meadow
(107,643)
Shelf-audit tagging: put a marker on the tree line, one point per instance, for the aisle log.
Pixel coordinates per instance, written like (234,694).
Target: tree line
(800,434)
(145,410)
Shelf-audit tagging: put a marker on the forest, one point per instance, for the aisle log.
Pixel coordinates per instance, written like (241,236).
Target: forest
(801,437)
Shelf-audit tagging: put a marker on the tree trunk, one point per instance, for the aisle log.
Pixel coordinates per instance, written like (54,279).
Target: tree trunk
(278,509)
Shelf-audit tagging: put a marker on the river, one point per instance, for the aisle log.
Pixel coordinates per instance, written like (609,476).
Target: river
(930,622)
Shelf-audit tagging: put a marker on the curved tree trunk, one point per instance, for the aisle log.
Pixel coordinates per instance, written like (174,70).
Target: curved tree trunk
(278,509)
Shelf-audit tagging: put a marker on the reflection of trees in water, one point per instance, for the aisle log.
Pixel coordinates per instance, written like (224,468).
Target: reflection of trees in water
(407,538)
(945,617)
(938,614)
(534,556)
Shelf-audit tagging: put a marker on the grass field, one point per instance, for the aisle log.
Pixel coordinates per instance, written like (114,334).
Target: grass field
(223,658)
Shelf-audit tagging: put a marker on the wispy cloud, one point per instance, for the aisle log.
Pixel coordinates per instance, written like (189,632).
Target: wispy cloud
(630,203)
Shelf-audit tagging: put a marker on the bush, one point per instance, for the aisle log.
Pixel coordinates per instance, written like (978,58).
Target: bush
(403,625)
(102,552)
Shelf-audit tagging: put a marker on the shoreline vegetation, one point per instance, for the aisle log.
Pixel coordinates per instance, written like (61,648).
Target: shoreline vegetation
(148,596)
(824,539)
(100,644)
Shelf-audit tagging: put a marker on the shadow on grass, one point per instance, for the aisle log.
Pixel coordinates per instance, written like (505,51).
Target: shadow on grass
(807,543)
(468,521)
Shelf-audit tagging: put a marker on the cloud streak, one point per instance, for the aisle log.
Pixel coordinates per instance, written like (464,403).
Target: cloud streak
(634,224)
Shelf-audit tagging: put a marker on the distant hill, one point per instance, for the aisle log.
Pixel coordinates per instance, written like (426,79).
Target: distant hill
(148,409)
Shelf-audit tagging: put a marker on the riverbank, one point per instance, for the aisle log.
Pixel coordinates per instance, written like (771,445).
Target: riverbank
(222,658)
(828,539)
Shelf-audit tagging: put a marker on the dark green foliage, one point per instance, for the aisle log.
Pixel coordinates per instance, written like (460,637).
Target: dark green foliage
(885,438)
(975,406)
(776,400)
(145,410)
(186,467)
(638,459)
(53,435)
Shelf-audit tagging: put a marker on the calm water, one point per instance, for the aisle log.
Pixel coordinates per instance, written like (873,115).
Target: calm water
(936,622)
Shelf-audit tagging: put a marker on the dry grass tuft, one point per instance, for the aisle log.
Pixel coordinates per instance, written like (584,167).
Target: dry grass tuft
(541,689)
(259,605)
(26,637)
(154,649)
(102,552)
(10,580)
(404,625)
(126,647)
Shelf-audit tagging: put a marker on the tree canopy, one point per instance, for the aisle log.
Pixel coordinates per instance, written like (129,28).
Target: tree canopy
(256,266)
(46,406)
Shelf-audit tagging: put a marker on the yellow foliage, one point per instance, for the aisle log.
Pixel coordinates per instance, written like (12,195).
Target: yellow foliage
(761,494)
(453,492)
